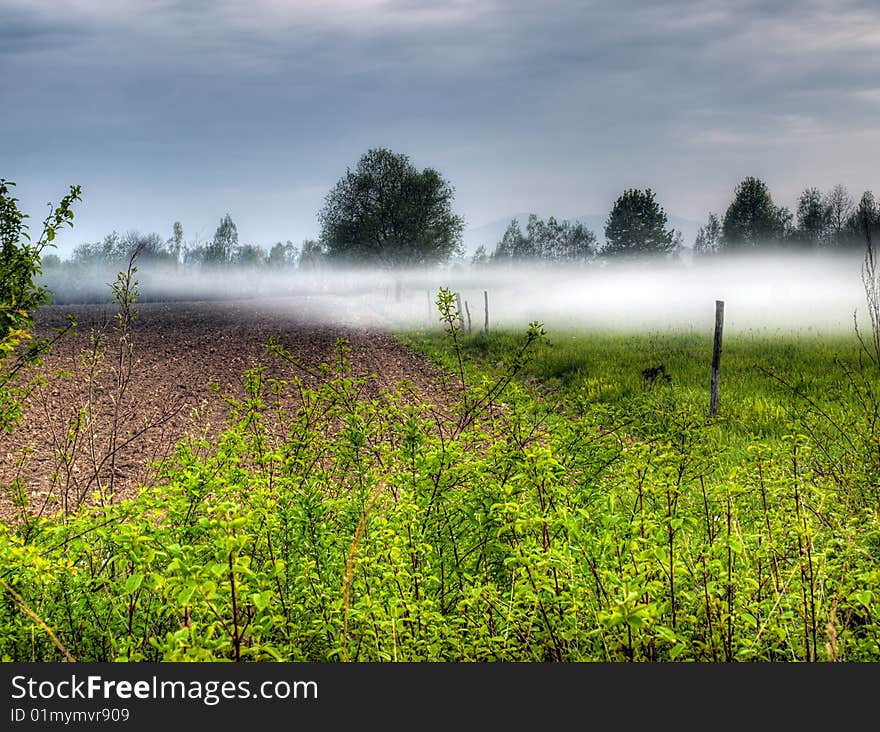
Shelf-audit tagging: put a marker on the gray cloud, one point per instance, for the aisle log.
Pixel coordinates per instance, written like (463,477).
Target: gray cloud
(200,108)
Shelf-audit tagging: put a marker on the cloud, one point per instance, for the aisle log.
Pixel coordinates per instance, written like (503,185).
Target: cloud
(554,106)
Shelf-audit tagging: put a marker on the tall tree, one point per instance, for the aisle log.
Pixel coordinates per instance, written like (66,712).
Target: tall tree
(813,218)
(636,226)
(388,213)
(841,205)
(752,218)
(174,245)
(221,250)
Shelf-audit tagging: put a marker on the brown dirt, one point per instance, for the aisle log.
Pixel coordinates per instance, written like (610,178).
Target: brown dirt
(180,351)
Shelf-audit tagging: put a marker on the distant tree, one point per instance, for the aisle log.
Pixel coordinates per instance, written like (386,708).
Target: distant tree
(840,205)
(549,241)
(107,251)
(513,244)
(786,224)
(578,243)
(480,257)
(388,213)
(864,221)
(115,250)
(150,247)
(543,237)
(194,252)
(174,245)
(813,218)
(282,256)
(249,256)
(752,218)
(222,248)
(555,241)
(311,255)
(636,226)
(51,262)
(708,239)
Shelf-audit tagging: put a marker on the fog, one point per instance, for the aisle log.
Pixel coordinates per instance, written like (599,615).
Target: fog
(795,291)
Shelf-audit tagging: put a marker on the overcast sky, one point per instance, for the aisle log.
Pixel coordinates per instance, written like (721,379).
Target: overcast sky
(166,110)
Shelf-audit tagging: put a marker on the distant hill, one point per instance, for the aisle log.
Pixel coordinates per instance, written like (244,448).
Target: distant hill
(490,234)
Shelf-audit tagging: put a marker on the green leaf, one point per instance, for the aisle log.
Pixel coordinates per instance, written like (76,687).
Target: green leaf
(261,599)
(134,582)
(185,594)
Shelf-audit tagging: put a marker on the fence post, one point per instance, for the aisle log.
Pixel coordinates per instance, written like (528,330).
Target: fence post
(460,310)
(468,311)
(486,303)
(716,357)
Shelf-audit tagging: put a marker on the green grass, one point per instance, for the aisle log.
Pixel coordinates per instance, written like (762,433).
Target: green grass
(765,376)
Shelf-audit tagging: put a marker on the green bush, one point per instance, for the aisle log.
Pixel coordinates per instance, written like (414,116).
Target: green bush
(20,295)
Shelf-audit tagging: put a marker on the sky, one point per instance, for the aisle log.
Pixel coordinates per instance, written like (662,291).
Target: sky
(165,110)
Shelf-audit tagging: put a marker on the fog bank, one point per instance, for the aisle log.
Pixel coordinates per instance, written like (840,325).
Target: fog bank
(783,291)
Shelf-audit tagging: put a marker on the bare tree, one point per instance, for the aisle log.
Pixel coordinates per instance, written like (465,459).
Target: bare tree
(841,205)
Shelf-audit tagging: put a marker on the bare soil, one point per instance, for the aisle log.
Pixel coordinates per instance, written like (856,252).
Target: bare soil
(182,352)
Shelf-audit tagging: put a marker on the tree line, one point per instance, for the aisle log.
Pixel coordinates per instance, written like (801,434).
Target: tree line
(387,213)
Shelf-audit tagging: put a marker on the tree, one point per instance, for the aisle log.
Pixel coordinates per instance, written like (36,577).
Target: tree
(636,226)
(813,218)
(115,250)
(513,244)
(174,245)
(282,256)
(388,213)
(312,255)
(480,257)
(559,242)
(752,218)
(250,256)
(20,295)
(840,205)
(223,246)
(708,238)
(864,221)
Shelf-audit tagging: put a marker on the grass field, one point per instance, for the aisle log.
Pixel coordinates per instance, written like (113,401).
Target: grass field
(769,379)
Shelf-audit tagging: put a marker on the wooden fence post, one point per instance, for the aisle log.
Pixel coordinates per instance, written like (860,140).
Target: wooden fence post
(716,357)
(486,303)
(468,311)
(460,310)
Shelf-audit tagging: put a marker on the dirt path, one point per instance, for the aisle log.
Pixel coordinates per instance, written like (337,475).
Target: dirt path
(180,351)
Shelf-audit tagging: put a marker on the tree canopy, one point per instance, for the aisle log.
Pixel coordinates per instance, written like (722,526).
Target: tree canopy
(550,241)
(388,213)
(636,226)
(752,218)
(224,245)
